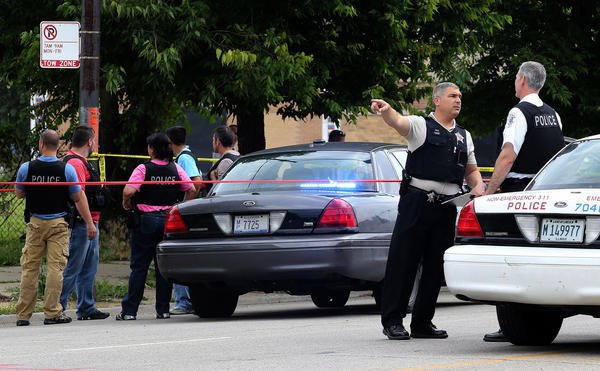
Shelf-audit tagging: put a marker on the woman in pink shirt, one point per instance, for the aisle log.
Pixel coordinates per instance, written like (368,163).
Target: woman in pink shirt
(148,203)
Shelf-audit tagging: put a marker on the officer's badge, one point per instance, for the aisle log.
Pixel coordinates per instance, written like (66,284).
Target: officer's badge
(459,138)
(431,197)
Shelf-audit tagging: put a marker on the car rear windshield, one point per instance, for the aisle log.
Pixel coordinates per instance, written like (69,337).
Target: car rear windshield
(576,166)
(331,171)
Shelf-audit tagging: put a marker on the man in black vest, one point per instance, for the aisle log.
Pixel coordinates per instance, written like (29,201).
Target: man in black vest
(223,141)
(84,254)
(187,160)
(47,231)
(531,135)
(441,157)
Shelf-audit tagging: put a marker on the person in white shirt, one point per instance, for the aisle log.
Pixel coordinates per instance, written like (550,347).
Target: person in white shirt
(531,135)
(441,159)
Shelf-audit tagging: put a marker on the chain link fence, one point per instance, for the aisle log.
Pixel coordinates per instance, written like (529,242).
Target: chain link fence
(12,223)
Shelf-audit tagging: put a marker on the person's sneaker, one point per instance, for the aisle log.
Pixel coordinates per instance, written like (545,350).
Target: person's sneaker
(163,315)
(22,322)
(57,320)
(177,311)
(124,317)
(94,315)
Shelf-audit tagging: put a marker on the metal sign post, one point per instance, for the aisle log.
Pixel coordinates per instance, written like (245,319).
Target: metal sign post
(89,73)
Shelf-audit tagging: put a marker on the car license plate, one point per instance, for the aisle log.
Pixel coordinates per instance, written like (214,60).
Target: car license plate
(562,230)
(251,224)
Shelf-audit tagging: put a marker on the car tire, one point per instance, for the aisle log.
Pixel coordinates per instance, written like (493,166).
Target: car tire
(211,303)
(528,325)
(330,298)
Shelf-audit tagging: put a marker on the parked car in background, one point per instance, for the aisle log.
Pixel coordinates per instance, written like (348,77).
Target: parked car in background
(535,254)
(311,222)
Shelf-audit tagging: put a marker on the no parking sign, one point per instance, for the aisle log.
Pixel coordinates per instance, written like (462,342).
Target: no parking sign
(59,44)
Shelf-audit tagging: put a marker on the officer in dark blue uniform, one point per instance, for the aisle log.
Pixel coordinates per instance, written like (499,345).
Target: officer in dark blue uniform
(441,157)
(531,135)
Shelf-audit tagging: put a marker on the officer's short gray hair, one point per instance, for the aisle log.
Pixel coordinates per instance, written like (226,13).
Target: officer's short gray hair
(441,88)
(534,73)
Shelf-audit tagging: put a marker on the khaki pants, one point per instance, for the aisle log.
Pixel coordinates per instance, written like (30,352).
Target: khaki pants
(51,236)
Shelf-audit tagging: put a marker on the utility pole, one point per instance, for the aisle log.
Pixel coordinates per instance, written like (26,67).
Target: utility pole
(89,71)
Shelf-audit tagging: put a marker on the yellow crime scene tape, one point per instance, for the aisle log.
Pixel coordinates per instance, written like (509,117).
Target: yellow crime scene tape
(101,158)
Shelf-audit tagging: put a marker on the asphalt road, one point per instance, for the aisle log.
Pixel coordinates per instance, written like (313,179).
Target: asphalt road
(280,334)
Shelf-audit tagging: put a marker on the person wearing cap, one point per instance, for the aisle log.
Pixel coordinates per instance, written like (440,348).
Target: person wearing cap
(337,136)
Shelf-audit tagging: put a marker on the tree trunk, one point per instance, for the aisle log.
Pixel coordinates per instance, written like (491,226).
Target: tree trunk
(251,129)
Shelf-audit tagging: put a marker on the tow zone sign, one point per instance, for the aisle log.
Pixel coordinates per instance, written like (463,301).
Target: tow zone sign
(59,44)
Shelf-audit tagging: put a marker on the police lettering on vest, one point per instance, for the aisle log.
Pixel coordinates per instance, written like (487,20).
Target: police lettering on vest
(543,140)
(45,179)
(163,178)
(159,194)
(46,199)
(442,157)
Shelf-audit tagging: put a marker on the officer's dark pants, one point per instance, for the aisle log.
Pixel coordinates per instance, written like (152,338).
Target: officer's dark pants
(423,230)
(514,185)
(144,239)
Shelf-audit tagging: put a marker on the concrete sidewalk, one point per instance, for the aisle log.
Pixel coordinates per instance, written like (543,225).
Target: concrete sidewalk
(118,272)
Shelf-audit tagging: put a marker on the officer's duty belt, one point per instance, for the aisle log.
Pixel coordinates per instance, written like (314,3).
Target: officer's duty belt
(432,196)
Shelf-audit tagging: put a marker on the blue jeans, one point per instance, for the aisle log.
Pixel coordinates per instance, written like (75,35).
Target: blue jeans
(144,239)
(80,273)
(182,297)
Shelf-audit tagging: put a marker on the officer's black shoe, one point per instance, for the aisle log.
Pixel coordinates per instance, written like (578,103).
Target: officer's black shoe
(427,331)
(396,332)
(62,318)
(22,322)
(495,337)
(94,315)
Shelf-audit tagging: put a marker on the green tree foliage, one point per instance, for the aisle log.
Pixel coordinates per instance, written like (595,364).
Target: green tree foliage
(304,57)
(18,81)
(565,37)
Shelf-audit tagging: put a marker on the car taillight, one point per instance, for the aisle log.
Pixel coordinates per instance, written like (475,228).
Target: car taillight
(174,223)
(337,214)
(468,225)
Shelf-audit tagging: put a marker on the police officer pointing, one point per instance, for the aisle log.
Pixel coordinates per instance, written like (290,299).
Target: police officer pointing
(531,135)
(441,157)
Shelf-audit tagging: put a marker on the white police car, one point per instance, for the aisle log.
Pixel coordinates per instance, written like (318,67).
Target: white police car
(535,254)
